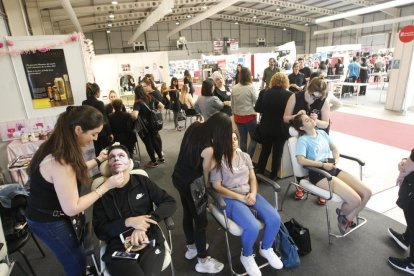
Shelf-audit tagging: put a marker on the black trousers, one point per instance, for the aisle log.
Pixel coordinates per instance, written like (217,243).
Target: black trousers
(363,89)
(409,233)
(149,263)
(194,225)
(352,79)
(277,144)
(153,144)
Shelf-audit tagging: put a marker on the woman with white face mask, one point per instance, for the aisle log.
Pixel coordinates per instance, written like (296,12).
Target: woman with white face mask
(313,102)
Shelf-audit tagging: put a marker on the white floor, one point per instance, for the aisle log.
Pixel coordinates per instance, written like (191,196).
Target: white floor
(380,171)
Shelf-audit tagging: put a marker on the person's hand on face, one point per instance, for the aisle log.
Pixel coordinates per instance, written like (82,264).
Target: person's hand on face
(314,116)
(115,181)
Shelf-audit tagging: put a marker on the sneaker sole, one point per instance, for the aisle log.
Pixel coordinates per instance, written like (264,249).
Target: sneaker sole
(403,246)
(400,268)
(206,271)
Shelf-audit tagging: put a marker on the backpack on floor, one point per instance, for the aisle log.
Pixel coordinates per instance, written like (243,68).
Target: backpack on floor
(286,248)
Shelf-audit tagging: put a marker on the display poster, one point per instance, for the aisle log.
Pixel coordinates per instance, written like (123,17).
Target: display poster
(177,68)
(48,79)
(228,63)
(218,46)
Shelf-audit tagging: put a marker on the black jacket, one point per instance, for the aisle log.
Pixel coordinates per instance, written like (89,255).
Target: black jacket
(109,221)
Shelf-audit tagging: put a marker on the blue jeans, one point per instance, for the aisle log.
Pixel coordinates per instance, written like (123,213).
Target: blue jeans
(243,216)
(60,237)
(244,129)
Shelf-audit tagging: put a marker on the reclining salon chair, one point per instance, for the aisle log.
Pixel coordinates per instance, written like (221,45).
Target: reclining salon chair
(169,224)
(301,180)
(217,208)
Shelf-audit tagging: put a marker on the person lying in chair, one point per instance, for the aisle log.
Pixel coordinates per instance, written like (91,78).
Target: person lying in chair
(237,183)
(130,207)
(316,149)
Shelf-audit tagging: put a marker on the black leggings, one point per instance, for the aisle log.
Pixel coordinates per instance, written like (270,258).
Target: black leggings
(149,263)
(194,225)
(277,144)
(153,144)
(409,233)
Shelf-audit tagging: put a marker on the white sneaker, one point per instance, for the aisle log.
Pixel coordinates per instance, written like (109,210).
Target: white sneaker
(250,265)
(191,253)
(211,265)
(271,257)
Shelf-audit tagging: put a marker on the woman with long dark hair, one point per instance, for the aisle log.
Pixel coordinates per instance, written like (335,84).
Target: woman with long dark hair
(57,170)
(175,106)
(188,80)
(143,105)
(105,137)
(207,104)
(201,150)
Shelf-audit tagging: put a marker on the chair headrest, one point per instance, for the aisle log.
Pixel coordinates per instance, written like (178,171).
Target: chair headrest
(104,168)
(293,132)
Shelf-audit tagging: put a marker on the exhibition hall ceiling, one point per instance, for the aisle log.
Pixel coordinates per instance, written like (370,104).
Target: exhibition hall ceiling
(94,15)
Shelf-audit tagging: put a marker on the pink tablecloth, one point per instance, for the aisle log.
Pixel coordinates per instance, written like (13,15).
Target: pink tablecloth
(16,148)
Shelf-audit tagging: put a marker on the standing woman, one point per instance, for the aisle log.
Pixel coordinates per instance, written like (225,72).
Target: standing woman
(243,99)
(363,75)
(339,67)
(238,70)
(109,108)
(188,80)
(271,103)
(57,170)
(175,106)
(143,105)
(199,154)
(105,137)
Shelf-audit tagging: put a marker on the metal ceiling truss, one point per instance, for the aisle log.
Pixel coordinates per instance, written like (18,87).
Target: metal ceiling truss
(296,6)
(272,14)
(262,22)
(126,6)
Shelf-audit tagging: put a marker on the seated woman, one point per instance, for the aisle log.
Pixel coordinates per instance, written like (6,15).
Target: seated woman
(131,207)
(237,183)
(316,149)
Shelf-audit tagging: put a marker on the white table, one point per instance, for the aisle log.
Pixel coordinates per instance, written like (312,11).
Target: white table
(356,84)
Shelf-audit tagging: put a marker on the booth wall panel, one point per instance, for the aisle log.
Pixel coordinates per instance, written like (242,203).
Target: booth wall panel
(196,35)
(235,34)
(152,35)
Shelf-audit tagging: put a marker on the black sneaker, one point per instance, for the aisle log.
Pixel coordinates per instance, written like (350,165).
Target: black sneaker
(402,264)
(399,239)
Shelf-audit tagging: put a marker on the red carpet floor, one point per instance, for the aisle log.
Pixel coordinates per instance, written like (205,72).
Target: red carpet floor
(385,132)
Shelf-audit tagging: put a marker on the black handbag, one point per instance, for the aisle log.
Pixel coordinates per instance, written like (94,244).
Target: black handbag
(156,119)
(300,235)
(257,135)
(198,194)
(78,223)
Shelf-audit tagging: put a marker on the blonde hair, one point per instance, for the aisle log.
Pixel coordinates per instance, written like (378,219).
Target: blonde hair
(184,92)
(163,87)
(279,80)
(318,84)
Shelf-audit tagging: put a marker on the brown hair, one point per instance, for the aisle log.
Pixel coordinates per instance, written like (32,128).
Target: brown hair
(279,80)
(318,84)
(63,144)
(92,89)
(141,96)
(297,123)
(245,76)
(117,104)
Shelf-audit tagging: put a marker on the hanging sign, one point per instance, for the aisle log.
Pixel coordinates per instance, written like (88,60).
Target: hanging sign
(407,34)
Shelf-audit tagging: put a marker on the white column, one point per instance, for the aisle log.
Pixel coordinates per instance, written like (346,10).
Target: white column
(400,94)
(35,18)
(17,20)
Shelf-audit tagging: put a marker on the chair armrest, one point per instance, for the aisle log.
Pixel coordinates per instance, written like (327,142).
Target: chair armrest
(324,173)
(273,184)
(217,198)
(359,161)
(169,223)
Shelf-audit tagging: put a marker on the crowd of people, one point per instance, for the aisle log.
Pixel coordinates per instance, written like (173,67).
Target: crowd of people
(219,145)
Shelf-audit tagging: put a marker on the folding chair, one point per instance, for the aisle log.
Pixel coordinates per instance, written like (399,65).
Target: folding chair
(217,209)
(169,225)
(300,175)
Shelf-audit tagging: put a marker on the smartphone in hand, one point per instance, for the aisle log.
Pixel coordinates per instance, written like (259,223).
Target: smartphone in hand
(124,255)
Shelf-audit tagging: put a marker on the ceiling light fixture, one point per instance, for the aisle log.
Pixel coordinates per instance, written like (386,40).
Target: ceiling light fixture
(111,15)
(188,16)
(284,29)
(237,23)
(109,24)
(114,2)
(108,31)
(254,16)
(177,23)
(306,24)
(365,10)
(205,7)
(278,9)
